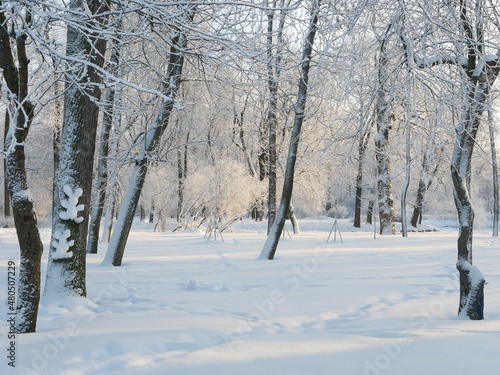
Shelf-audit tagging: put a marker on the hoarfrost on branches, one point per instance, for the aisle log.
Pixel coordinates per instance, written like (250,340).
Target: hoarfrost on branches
(71,205)
(62,245)
(226,189)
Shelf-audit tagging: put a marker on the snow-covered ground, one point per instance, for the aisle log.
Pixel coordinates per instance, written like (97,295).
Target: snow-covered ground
(183,305)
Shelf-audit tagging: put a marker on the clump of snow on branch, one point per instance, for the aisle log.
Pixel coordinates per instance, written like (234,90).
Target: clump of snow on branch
(62,245)
(71,204)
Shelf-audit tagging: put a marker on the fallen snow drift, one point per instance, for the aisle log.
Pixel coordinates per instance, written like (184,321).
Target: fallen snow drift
(183,305)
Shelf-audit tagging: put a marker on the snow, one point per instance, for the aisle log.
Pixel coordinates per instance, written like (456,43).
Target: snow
(62,245)
(183,305)
(22,195)
(71,204)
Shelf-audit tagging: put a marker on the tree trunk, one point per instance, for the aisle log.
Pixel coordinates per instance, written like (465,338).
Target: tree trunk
(6,193)
(362,144)
(417,209)
(57,121)
(384,184)
(67,268)
(404,225)
(182,165)
(424,183)
(471,280)
(369,212)
(102,166)
(494,164)
(293,219)
(273,238)
(272,117)
(116,247)
(16,77)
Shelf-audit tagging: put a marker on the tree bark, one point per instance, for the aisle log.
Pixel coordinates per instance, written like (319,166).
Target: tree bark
(362,144)
(116,247)
(66,272)
(471,280)
(273,72)
(31,248)
(369,212)
(494,164)
(102,166)
(384,183)
(404,225)
(269,249)
(182,165)
(6,194)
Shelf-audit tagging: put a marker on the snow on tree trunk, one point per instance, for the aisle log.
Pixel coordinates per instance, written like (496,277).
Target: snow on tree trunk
(293,219)
(271,244)
(102,167)
(471,280)
(30,244)
(116,247)
(21,114)
(384,184)
(119,237)
(67,268)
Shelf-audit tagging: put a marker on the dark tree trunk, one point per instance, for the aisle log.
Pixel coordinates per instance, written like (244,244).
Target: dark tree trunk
(293,219)
(494,164)
(182,165)
(116,247)
(151,210)
(362,144)
(273,238)
(369,212)
(424,184)
(273,72)
(6,193)
(471,280)
(66,272)
(104,149)
(384,183)
(56,134)
(102,174)
(478,85)
(417,210)
(30,244)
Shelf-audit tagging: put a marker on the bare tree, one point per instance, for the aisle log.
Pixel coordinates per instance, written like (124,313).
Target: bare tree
(384,118)
(478,71)
(14,66)
(172,81)
(104,150)
(271,243)
(67,267)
